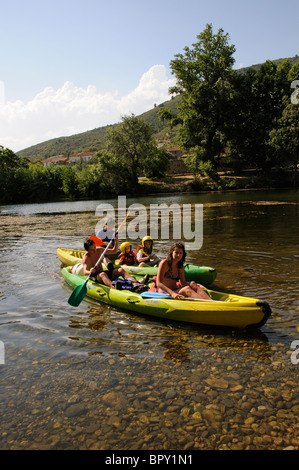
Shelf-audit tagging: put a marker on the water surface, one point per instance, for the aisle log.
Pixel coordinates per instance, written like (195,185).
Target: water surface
(96,377)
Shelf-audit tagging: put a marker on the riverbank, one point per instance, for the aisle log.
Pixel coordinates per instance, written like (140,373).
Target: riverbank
(249,179)
(51,190)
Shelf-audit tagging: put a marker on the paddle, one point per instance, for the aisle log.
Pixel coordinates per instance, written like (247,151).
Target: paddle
(161,295)
(79,292)
(98,241)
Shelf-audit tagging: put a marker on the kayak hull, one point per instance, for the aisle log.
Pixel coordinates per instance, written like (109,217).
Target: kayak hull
(227,310)
(205,275)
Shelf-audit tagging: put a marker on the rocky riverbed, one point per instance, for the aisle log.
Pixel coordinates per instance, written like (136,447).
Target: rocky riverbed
(172,402)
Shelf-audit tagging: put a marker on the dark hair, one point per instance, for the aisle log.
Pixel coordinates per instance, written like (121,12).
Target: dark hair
(88,242)
(171,250)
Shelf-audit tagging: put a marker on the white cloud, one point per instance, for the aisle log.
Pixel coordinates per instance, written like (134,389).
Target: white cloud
(70,110)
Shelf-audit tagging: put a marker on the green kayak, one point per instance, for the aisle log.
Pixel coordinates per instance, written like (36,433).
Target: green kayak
(205,275)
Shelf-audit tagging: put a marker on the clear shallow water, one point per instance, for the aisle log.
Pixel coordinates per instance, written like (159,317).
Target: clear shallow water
(95,377)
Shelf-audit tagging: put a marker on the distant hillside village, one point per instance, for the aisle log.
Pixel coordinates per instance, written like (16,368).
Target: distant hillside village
(177,164)
(71,160)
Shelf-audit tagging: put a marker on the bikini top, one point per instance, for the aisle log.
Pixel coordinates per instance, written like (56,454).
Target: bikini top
(169,275)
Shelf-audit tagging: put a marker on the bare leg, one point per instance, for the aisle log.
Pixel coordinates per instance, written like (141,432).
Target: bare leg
(105,279)
(194,291)
(124,274)
(129,277)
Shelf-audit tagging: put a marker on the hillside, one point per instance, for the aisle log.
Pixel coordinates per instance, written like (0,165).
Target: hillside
(292,60)
(94,139)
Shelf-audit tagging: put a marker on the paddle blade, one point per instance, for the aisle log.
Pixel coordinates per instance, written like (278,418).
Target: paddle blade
(78,295)
(98,241)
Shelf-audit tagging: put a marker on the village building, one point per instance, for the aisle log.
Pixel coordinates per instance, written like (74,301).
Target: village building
(176,152)
(85,156)
(63,160)
(56,160)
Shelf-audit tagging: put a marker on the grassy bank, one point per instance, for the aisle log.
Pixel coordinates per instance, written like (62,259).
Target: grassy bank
(250,179)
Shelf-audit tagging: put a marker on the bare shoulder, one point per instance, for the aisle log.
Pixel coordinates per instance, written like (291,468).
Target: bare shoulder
(163,265)
(85,258)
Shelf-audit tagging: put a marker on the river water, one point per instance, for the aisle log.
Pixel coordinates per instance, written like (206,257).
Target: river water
(95,377)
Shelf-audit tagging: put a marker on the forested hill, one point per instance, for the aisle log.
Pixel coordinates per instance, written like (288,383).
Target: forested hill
(94,139)
(292,60)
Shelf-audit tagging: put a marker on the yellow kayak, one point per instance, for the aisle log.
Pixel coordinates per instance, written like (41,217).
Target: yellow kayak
(222,310)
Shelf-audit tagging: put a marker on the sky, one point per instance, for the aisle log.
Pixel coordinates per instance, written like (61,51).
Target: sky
(68,66)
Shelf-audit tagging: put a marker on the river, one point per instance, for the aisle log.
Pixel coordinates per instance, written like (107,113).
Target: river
(96,377)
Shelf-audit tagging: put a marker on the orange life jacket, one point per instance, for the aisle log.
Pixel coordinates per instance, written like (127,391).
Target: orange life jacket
(127,258)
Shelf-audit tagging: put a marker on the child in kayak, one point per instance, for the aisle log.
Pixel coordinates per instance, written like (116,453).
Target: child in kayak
(145,255)
(127,255)
(171,276)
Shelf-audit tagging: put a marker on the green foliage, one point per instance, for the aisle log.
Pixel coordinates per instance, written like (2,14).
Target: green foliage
(258,105)
(27,183)
(204,80)
(158,165)
(133,150)
(69,181)
(284,139)
(130,151)
(225,111)
(9,161)
(115,175)
(10,167)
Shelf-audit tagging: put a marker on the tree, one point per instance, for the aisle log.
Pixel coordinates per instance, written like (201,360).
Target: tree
(69,181)
(285,138)
(9,161)
(258,104)
(10,164)
(159,164)
(115,175)
(131,144)
(204,80)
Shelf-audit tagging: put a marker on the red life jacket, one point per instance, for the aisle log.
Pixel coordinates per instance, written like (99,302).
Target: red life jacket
(127,258)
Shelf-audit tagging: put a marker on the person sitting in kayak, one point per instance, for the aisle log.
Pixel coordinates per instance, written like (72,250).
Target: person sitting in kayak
(171,276)
(127,255)
(145,255)
(90,258)
(106,234)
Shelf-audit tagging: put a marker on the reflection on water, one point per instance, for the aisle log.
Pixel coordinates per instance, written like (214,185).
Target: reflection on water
(95,377)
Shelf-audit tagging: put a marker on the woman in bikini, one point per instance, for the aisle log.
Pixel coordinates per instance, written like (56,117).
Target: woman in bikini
(171,276)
